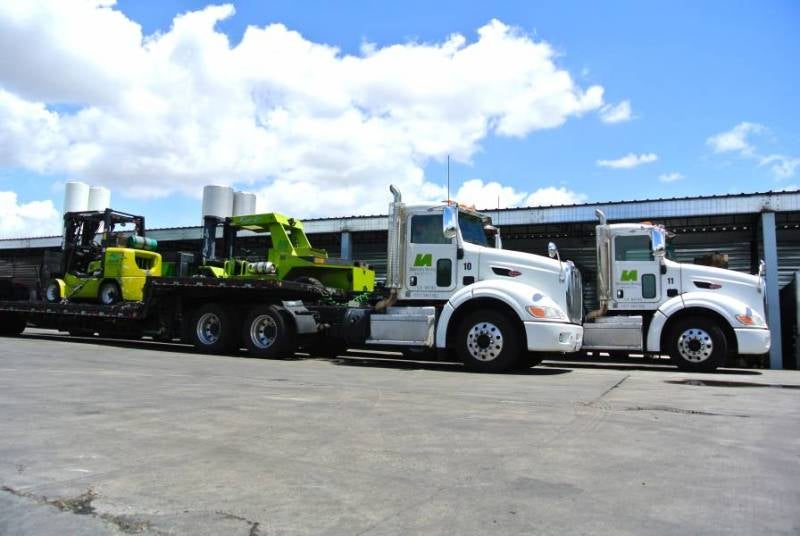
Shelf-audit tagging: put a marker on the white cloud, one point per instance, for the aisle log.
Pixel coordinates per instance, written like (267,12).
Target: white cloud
(488,195)
(37,218)
(670,177)
(308,127)
(551,195)
(629,161)
(616,113)
(783,167)
(735,139)
(492,195)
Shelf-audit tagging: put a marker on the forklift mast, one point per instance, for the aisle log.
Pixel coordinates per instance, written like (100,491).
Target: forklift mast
(81,228)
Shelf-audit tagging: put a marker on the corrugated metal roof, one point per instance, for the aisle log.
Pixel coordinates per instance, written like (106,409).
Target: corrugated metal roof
(742,203)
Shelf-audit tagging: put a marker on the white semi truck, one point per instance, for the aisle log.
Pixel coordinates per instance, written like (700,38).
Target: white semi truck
(492,308)
(698,315)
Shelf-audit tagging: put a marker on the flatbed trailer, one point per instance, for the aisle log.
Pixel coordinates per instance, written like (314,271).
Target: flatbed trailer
(166,310)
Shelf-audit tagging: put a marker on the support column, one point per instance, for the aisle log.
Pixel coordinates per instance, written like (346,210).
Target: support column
(770,240)
(347,246)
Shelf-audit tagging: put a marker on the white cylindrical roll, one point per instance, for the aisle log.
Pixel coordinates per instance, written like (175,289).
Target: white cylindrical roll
(99,198)
(217,201)
(244,203)
(76,197)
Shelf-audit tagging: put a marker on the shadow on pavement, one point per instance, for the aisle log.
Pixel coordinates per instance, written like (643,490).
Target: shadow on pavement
(651,365)
(359,358)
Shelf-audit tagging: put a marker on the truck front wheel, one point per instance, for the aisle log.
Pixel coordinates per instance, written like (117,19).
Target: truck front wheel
(697,344)
(212,329)
(266,333)
(488,341)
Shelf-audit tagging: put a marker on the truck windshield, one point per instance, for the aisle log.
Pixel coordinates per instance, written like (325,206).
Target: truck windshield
(472,229)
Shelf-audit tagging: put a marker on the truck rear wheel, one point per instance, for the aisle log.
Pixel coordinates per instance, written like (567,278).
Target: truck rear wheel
(697,344)
(212,329)
(488,341)
(266,334)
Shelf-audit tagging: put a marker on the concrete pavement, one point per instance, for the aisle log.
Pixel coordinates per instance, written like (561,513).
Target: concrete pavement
(118,438)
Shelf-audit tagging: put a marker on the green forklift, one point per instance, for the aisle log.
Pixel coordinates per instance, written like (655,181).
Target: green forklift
(291,257)
(109,270)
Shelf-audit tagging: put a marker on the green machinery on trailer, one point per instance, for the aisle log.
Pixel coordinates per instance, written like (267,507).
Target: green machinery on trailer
(291,257)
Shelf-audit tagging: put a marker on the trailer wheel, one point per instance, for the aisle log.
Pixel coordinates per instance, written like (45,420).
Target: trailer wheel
(488,341)
(109,293)
(266,333)
(212,329)
(12,324)
(697,344)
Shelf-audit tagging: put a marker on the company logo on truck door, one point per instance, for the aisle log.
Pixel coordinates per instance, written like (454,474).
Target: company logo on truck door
(630,275)
(423,259)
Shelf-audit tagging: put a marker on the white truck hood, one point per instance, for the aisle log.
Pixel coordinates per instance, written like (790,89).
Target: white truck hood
(743,287)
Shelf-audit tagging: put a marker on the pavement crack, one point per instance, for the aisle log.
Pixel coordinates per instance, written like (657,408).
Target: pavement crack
(681,411)
(82,505)
(255,529)
(604,393)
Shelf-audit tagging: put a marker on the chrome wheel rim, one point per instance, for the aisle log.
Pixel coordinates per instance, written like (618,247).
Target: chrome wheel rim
(263,331)
(209,328)
(484,341)
(695,345)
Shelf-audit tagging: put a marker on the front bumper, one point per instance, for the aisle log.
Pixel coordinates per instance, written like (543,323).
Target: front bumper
(753,340)
(553,337)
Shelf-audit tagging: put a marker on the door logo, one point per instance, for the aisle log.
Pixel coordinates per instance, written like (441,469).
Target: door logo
(630,275)
(423,259)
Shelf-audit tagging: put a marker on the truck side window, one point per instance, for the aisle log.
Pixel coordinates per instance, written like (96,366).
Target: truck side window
(648,286)
(444,272)
(427,229)
(633,248)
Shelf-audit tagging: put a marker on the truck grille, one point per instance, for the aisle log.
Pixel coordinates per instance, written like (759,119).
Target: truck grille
(574,294)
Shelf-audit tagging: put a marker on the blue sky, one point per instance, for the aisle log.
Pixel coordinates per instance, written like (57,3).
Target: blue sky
(689,70)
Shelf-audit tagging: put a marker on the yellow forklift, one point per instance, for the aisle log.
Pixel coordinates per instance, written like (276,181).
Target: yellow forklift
(109,271)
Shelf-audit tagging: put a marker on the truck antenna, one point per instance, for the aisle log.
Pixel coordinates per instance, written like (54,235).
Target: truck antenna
(448,179)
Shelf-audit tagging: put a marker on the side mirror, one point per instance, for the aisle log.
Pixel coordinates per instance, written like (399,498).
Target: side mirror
(449,221)
(658,242)
(552,251)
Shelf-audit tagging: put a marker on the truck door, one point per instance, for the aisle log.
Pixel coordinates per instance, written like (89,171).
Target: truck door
(430,259)
(636,275)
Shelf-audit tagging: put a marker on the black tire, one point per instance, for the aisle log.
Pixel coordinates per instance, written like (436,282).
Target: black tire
(697,344)
(489,341)
(109,293)
(266,333)
(313,281)
(212,329)
(52,292)
(12,324)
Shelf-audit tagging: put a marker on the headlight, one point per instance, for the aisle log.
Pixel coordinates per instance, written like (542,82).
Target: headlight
(750,318)
(544,311)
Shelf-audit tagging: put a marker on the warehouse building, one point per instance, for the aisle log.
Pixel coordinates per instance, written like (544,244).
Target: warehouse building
(734,230)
